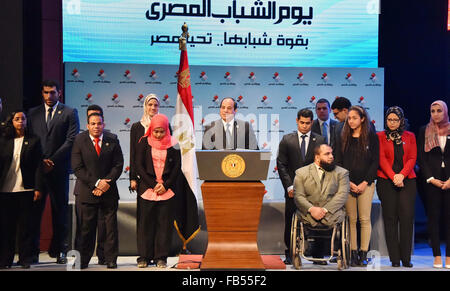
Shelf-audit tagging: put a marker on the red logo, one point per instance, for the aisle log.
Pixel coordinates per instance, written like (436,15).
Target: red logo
(101,74)
(153,75)
(127,74)
(288,100)
(88,97)
(215,99)
(140,97)
(127,121)
(203,76)
(227,76)
(75,73)
(252,76)
(276,76)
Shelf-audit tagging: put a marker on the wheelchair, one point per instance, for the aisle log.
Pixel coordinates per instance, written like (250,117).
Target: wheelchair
(302,234)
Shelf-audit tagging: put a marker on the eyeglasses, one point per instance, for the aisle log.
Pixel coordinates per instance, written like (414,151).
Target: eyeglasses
(393,120)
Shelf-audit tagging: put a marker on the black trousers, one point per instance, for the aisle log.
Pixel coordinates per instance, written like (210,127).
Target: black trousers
(88,217)
(101,232)
(154,232)
(289,210)
(57,188)
(15,212)
(438,203)
(398,206)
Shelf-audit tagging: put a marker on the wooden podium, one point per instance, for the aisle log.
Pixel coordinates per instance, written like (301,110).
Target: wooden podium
(232,211)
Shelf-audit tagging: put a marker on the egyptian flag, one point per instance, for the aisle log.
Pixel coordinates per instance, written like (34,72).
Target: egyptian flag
(186,221)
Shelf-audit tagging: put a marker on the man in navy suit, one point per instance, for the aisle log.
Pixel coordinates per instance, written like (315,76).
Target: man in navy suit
(56,125)
(324,125)
(229,132)
(295,151)
(97,162)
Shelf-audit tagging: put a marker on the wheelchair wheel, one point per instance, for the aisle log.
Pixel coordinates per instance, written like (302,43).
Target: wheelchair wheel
(295,242)
(345,244)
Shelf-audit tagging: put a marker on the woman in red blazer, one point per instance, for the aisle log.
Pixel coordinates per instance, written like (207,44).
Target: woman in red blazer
(396,185)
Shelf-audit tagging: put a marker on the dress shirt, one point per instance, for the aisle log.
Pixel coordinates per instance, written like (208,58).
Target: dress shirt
(53,112)
(231,122)
(13,181)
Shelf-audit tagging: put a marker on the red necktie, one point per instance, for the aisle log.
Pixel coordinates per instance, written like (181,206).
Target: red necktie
(97,147)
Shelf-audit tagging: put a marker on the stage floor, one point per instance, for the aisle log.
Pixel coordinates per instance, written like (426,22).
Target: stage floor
(422,261)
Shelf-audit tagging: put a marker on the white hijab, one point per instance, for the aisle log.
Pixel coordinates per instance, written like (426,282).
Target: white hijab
(146,119)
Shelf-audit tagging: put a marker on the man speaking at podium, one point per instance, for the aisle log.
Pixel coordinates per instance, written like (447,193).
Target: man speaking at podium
(228,132)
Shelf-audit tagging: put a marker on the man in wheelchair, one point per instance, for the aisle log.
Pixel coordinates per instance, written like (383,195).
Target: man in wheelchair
(320,193)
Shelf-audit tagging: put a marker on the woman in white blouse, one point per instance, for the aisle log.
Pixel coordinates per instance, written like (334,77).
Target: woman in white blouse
(20,181)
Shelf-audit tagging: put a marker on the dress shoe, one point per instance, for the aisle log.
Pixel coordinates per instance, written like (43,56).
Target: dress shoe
(111,265)
(354,262)
(362,259)
(61,259)
(321,263)
(101,262)
(407,264)
(287,260)
(35,259)
(161,264)
(142,264)
(396,265)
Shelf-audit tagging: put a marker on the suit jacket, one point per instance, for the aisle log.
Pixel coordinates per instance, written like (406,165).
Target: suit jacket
(146,170)
(331,194)
(56,141)
(244,136)
(289,157)
(88,167)
(430,162)
(333,131)
(30,161)
(387,156)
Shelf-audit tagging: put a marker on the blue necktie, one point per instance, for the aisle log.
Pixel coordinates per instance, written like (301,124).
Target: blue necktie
(49,116)
(303,147)
(325,132)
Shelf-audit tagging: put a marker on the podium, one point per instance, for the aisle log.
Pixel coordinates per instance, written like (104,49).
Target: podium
(232,200)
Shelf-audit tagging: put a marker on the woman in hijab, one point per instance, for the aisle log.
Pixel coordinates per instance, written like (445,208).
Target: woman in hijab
(396,185)
(434,162)
(138,129)
(158,165)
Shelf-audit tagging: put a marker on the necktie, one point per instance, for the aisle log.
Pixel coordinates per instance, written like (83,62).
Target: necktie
(49,116)
(325,131)
(303,147)
(228,137)
(97,146)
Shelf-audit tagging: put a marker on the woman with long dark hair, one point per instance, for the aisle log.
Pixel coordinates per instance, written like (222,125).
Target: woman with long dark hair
(396,185)
(20,184)
(434,161)
(358,152)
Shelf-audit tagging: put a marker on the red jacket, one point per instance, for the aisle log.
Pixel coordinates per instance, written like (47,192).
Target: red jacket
(387,156)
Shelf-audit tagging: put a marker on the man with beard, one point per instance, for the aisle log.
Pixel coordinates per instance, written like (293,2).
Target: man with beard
(320,192)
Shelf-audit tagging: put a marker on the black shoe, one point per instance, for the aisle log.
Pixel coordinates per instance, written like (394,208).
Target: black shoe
(395,265)
(362,259)
(35,259)
(25,265)
(287,260)
(354,259)
(101,262)
(321,263)
(111,265)
(407,264)
(61,259)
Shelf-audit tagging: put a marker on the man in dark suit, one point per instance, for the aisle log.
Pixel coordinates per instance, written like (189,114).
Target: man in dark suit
(97,162)
(323,125)
(295,151)
(229,132)
(56,125)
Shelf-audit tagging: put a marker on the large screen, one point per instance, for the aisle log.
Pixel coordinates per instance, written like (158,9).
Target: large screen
(286,33)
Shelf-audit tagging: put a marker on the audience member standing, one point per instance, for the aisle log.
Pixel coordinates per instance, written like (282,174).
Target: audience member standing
(56,125)
(396,185)
(158,164)
(358,152)
(20,184)
(434,161)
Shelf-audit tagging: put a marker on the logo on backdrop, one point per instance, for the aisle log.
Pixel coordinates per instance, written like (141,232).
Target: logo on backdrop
(153,78)
(325,80)
(300,80)
(127,78)
(228,78)
(241,102)
(203,79)
(252,80)
(126,125)
(115,100)
(289,101)
(101,77)
(277,78)
(76,76)
(349,79)
(166,102)
(373,81)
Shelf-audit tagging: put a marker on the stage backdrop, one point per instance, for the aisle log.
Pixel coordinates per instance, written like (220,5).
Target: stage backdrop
(268,97)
